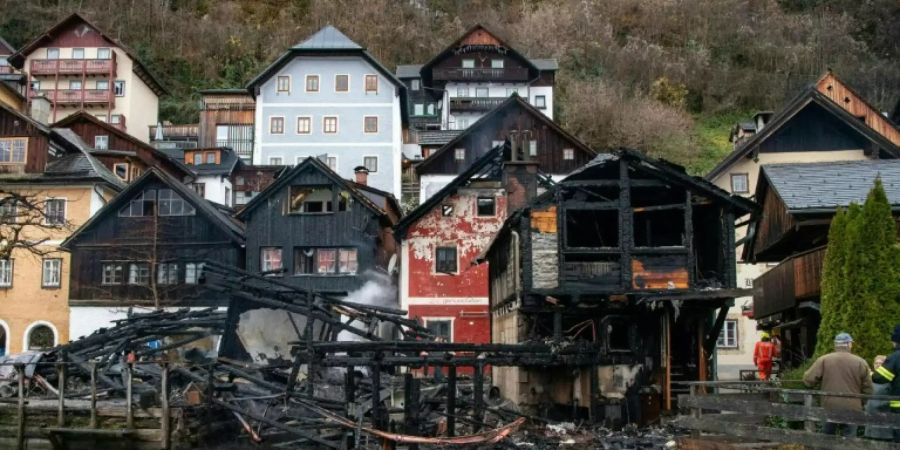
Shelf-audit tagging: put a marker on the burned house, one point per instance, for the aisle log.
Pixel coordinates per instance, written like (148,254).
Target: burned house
(798,202)
(319,231)
(629,256)
(146,249)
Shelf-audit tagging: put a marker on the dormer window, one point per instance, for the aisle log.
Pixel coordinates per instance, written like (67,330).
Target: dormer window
(496,64)
(210,157)
(468,64)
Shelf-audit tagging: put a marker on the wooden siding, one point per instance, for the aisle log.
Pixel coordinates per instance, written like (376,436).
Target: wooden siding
(223,110)
(846,98)
(477,142)
(814,129)
(775,224)
(781,287)
(37,154)
(145,155)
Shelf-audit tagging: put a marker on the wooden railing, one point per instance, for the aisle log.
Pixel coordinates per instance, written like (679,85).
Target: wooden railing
(797,277)
(73,66)
(77,96)
(6,70)
(479,74)
(475,103)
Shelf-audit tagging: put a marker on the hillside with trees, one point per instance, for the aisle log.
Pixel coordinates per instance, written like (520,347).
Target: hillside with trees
(664,76)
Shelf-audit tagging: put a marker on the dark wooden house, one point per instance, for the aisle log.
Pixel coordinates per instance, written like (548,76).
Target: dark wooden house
(319,231)
(798,202)
(147,247)
(628,256)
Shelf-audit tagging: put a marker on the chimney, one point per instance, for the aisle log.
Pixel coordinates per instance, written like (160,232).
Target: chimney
(40,109)
(362,175)
(520,172)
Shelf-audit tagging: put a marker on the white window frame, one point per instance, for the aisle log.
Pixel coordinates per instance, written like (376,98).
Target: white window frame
(82,53)
(739,175)
(273,159)
(723,335)
(415,84)
(469,60)
(108,50)
(306,82)
(26,339)
(7,272)
(65,203)
(376,163)
(119,264)
(271,122)
(50,52)
(462,91)
(278,89)
(365,85)
(457,152)
(349,83)
(327,163)
(337,124)
(262,260)
(97,85)
(452,321)
(532,147)
(101,138)
(192,268)
(568,154)
(494,62)
(418,109)
(51,283)
(309,125)
(542,104)
(116,166)
(12,144)
(73,83)
(365,118)
(116,90)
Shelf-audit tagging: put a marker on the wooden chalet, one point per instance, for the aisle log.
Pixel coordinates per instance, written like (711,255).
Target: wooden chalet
(147,247)
(629,256)
(125,155)
(319,231)
(227,117)
(798,202)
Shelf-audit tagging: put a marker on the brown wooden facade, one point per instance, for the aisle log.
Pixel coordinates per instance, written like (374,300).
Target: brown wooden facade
(232,108)
(16,125)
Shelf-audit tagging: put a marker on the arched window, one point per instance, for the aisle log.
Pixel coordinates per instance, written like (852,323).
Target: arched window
(41,337)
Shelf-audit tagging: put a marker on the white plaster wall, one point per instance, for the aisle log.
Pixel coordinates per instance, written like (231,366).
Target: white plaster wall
(547,92)
(430,184)
(214,189)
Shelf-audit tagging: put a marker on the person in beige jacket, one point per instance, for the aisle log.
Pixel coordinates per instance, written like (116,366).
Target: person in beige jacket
(840,372)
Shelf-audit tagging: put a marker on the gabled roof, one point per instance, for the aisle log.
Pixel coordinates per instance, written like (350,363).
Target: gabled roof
(426,68)
(5,47)
(408,70)
(490,160)
(286,178)
(514,101)
(327,41)
(82,162)
(25,118)
(18,59)
(809,95)
(228,161)
(436,137)
(818,187)
(74,118)
(207,209)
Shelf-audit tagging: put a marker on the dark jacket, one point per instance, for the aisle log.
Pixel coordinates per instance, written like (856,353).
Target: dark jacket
(887,374)
(840,372)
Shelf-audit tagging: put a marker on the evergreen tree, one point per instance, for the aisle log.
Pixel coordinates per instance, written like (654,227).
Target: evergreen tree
(860,284)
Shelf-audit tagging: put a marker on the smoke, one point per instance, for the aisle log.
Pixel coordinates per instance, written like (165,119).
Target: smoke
(378,290)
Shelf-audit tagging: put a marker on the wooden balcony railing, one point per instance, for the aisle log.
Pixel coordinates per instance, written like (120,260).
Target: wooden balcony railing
(77,96)
(475,103)
(481,74)
(6,70)
(781,287)
(73,66)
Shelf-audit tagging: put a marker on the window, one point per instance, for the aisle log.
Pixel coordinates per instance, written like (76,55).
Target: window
(102,85)
(103,53)
(12,150)
(342,83)
(468,64)
(270,259)
(35,85)
(304,125)
(4,62)
(77,53)
(445,261)
(283,83)
(330,124)
(121,170)
(728,335)
(540,101)
(312,200)
(6,273)
(276,125)
(568,154)
(139,274)
(441,328)
(227,197)
(462,91)
(276,161)
(486,206)
(192,272)
(75,85)
(372,83)
(199,188)
(586,228)
(447,210)
(55,211)
(482,92)
(459,154)
(312,83)
(419,109)
(115,119)
(51,272)
(332,162)
(748,282)
(532,148)
(210,157)
(120,88)
(371,163)
(52,53)
(171,204)
(166,273)
(325,261)
(41,337)
(135,172)
(740,183)
(112,274)
(496,64)
(414,85)
(430,109)
(660,228)
(371,124)
(101,142)
(8,213)
(347,260)
(143,204)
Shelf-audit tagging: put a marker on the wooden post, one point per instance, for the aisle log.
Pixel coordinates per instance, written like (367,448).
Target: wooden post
(595,394)
(478,394)
(129,402)
(411,407)
(61,375)
(20,429)
(164,406)
(93,423)
(451,400)
(808,425)
(557,326)
(349,398)
(695,411)
(667,389)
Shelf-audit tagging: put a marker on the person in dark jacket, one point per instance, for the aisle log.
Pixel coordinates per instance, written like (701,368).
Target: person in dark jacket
(887,374)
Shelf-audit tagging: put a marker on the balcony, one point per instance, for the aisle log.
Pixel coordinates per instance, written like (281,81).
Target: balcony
(74,67)
(6,70)
(84,97)
(460,104)
(783,286)
(480,74)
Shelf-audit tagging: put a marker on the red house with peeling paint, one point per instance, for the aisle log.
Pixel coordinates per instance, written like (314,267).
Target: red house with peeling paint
(442,237)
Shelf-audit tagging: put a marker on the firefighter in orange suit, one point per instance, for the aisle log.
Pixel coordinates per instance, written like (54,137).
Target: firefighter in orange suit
(762,356)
